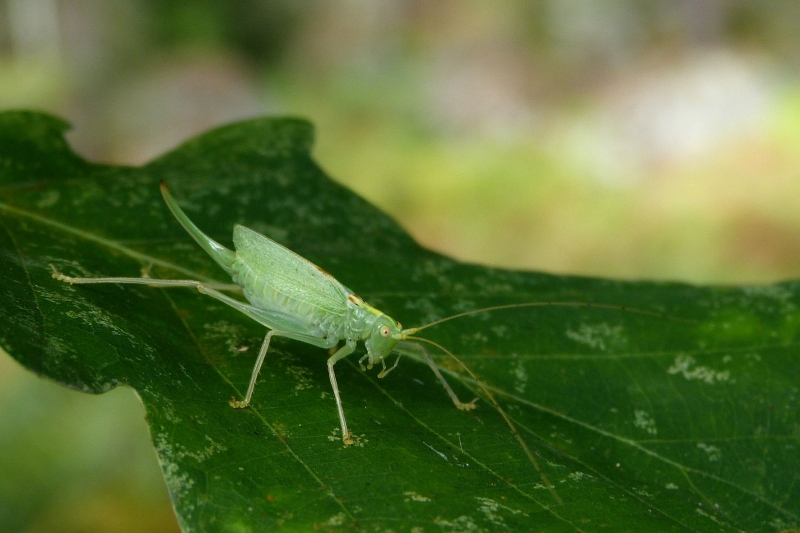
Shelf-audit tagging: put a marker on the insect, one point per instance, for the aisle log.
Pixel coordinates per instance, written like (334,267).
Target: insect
(296,299)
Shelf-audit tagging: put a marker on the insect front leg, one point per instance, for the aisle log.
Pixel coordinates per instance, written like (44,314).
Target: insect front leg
(341,353)
(420,348)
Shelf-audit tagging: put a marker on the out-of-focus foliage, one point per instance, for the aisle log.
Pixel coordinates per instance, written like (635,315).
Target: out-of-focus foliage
(636,139)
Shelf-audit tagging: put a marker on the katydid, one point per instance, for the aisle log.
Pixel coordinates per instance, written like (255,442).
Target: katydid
(294,298)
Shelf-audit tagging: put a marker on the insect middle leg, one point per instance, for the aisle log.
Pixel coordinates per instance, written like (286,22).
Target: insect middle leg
(341,353)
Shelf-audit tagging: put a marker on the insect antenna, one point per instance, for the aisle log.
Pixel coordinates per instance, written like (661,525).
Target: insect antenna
(411,331)
(500,410)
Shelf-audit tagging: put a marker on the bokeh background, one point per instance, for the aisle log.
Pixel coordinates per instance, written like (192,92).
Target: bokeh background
(628,138)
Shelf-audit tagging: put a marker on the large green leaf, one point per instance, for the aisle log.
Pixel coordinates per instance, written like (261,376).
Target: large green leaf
(686,419)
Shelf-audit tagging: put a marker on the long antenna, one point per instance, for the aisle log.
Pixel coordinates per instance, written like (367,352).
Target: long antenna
(511,425)
(411,331)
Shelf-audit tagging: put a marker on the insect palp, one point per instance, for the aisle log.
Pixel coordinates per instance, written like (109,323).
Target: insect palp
(384,372)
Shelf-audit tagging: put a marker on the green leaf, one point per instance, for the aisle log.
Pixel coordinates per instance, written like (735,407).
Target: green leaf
(687,418)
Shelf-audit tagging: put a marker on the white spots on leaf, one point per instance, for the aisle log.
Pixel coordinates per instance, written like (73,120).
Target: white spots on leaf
(87,313)
(776,292)
(48,199)
(58,349)
(89,194)
(95,320)
(425,308)
(497,287)
(462,524)
(561,436)
(358,440)
(580,476)
(491,510)
(413,496)
(301,376)
(500,330)
(222,328)
(169,413)
(94,316)
(437,269)
(222,331)
(714,453)
(599,336)
(177,452)
(671,486)
(520,375)
(711,517)
(479,337)
(178,482)
(336,520)
(644,421)
(685,365)
(208,451)
(753,356)
(781,525)
(464,305)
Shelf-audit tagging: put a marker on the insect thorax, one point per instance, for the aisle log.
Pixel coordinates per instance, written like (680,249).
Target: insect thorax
(361,318)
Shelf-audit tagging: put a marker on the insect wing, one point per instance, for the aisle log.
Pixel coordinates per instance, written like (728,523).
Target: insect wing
(289,273)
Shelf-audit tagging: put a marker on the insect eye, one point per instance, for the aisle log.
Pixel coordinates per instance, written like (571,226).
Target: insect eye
(385,331)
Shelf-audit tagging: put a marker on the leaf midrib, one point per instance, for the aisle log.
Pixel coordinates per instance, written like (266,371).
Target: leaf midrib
(113,245)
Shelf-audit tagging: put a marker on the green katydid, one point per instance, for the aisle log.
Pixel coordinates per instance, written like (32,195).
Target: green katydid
(296,299)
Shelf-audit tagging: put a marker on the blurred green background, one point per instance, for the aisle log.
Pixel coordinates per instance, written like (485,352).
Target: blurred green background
(624,138)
